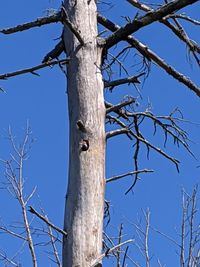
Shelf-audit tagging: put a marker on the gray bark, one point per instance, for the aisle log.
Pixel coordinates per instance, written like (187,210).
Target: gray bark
(84,207)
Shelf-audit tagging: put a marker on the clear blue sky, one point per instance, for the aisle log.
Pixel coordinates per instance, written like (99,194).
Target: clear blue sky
(42,101)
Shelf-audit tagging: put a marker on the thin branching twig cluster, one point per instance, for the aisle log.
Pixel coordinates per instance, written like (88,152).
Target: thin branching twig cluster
(28,230)
(130,123)
(186,242)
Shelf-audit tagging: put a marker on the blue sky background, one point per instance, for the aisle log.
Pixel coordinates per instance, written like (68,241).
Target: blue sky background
(42,101)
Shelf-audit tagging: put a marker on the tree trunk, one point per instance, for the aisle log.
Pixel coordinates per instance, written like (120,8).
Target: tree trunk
(84,208)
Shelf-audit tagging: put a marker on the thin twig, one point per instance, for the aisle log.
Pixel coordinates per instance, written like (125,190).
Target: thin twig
(135,157)
(117,177)
(55,251)
(99,259)
(187,18)
(146,239)
(118,253)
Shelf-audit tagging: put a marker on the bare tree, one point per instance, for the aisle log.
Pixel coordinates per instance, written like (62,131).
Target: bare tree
(89,70)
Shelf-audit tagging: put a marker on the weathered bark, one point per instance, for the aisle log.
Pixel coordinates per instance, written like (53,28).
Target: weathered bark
(85,195)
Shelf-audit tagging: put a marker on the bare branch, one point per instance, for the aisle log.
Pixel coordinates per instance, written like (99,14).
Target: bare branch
(146,239)
(166,236)
(68,24)
(116,132)
(33,69)
(149,18)
(120,105)
(184,214)
(144,141)
(110,250)
(120,112)
(8,260)
(55,53)
(131,79)
(187,18)
(170,127)
(37,23)
(55,251)
(117,177)
(150,55)
(136,154)
(118,254)
(44,219)
(8,231)
(15,179)
(139,5)
(191,227)
(179,32)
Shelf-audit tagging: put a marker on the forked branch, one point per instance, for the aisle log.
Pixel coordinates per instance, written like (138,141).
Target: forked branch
(150,55)
(178,31)
(150,17)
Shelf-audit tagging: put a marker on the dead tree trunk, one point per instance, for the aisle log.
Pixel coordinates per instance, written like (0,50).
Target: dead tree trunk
(85,195)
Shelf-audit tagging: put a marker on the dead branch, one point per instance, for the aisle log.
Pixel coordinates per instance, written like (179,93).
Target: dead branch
(120,112)
(52,241)
(55,53)
(143,236)
(116,132)
(129,80)
(125,256)
(15,178)
(135,157)
(147,19)
(170,127)
(117,177)
(8,260)
(139,5)
(184,214)
(178,31)
(37,23)
(99,259)
(118,256)
(150,55)
(192,237)
(166,236)
(144,141)
(44,219)
(184,17)
(65,20)
(146,239)
(8,231)
(33,69)
(120,105)
(157,149)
